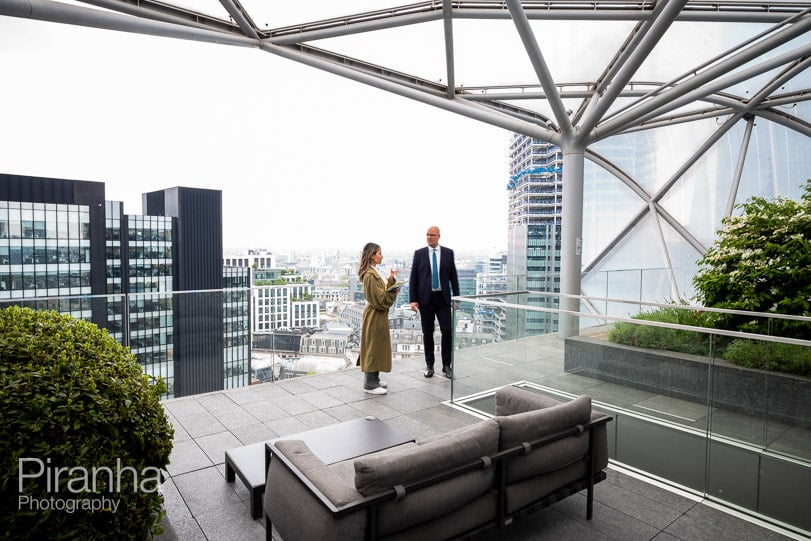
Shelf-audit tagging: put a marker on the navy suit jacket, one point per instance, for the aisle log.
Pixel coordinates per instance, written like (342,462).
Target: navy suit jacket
(419,283)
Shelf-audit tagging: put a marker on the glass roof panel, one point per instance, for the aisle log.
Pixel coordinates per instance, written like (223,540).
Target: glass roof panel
(279,14)
(207,7)
(687,45)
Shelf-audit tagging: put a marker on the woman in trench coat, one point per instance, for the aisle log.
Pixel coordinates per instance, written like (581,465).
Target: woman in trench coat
(375,342)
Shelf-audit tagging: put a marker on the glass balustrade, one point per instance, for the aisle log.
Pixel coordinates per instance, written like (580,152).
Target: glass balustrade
(722,412)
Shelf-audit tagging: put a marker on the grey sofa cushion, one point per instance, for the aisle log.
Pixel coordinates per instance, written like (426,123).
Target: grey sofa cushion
(450,525)
(534,424)
(336,489)
(527,491)
(295,513)
(440,501)
(378,472)
(530,425)
(511,400)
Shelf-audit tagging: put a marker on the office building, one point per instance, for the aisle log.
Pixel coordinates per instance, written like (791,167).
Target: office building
(134,275)
(534,228)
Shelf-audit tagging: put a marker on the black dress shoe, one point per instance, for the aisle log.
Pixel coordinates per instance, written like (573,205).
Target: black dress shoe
(429,373)
(447,372)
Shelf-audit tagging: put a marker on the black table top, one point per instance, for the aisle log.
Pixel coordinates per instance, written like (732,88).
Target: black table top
(350,439)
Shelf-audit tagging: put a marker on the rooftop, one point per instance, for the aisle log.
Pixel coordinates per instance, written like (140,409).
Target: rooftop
(200,504)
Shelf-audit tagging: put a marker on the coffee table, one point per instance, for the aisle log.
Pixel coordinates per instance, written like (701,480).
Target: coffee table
(331,444)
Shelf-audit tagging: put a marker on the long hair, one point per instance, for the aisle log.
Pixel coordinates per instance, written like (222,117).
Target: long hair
(366,257)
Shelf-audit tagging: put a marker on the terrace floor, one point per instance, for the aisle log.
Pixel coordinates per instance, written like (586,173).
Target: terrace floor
(201,505)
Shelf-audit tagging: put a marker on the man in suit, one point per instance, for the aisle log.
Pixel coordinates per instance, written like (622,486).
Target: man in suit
(432,282)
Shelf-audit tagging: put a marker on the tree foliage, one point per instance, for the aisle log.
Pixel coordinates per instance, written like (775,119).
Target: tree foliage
(761,262)
(74,398)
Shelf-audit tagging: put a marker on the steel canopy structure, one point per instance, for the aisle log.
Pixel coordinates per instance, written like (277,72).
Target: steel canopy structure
(600,79)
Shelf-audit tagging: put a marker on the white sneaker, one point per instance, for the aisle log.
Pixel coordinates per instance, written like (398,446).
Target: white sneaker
(383,384)
(376,390)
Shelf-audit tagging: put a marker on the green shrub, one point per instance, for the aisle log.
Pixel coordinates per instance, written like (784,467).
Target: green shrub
(644,336)
(770,356)
(76,405)
(761,262)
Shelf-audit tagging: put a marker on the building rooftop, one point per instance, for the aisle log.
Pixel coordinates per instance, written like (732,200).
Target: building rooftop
(201,505)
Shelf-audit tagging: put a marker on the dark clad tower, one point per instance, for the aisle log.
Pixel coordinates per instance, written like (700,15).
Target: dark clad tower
(198,314)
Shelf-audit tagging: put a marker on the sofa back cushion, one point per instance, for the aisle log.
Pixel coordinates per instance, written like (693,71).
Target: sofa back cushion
(531,425)
(511,400)
(534,424)
(378,472)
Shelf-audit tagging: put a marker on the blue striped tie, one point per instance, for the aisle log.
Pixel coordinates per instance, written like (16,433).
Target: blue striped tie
(434,272)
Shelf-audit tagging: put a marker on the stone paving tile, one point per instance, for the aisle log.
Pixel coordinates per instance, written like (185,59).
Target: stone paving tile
(295,385)
(546,525)
(202,505)
(294,405)
(249,394)
(287,426)
(202,424)
(180,529)
(215,445)
(410,401)
(679,502)
(205,491)
(347,393)
(320,399)
(317,419)
(703,522)
(235,417)
(377,407)
(606,521)
(254,433)
(619,502)
(344,412)
(412,426)
(331,380)
(265,410)
(180,432)
(232,524)
(216,402)
(443,419)
(187,456)
(184,407)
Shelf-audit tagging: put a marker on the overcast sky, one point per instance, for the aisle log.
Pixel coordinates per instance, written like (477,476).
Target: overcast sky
(305,159)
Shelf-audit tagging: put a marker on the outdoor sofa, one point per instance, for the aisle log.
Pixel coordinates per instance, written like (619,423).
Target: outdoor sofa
(536,451)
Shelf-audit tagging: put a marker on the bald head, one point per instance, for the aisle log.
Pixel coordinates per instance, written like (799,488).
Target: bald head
(432,236)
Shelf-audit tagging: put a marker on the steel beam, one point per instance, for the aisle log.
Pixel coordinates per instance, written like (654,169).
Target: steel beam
(571,241)
(447,25)
(541,68)
(46,10)
(464,108)
(664,13)
(239,15)
(711,80)
(736,176)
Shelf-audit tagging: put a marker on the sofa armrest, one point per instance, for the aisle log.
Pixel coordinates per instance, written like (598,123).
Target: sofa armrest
(326,485)
(303,497)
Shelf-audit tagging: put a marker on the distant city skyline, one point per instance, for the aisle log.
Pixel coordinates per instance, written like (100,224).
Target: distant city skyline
(306,160)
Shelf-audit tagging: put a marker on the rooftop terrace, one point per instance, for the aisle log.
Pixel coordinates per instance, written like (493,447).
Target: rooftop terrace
(200,504)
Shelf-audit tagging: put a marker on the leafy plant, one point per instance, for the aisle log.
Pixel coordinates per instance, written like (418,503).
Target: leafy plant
(75,403)
(770,356)
(683,341)
(761,261)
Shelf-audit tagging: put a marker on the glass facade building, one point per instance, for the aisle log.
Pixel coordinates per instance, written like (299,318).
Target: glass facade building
(64,247)
(534,226)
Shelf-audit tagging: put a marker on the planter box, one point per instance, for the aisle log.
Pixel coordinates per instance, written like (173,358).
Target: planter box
(778,397)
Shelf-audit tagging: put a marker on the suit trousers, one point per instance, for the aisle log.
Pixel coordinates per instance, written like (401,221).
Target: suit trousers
(440,311)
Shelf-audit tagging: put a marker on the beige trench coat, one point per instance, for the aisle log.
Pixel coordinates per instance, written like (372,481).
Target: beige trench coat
(375,341)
